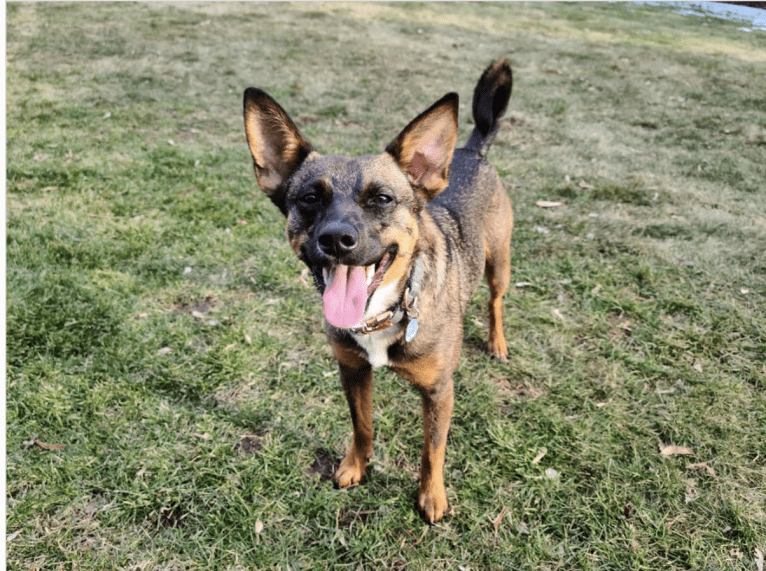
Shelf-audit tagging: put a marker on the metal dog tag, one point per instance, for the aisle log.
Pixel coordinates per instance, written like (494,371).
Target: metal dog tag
(412,330)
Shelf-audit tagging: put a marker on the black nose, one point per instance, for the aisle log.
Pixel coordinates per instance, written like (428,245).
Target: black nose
(338,238)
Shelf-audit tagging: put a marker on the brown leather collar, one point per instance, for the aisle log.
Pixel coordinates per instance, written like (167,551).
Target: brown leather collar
(406,307)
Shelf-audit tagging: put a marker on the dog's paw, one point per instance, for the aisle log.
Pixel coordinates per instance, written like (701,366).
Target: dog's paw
(498,350)
(433,504)
(502,358)
(350,472)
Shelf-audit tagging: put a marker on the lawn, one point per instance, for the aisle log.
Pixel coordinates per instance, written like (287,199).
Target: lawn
(171,402)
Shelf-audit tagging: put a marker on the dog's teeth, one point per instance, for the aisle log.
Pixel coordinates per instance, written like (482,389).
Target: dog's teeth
(326,276)
(370,273)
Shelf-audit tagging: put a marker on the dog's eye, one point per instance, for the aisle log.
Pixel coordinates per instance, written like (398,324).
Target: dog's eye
(381,200)
(309,199)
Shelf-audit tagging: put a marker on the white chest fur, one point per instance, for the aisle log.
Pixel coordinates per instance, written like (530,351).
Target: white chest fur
(376,344)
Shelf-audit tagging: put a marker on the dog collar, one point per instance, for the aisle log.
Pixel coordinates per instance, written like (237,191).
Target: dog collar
(407,307)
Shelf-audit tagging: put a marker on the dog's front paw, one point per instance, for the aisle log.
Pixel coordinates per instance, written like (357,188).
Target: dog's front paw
(433,503)
(350,472)
(498,349)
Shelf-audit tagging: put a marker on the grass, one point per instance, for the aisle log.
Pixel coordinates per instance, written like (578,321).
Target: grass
(171,401)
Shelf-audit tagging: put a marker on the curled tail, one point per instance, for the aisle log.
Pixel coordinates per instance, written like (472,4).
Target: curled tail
(490,100)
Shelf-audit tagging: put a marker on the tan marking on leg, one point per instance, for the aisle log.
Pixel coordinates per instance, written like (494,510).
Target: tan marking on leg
(433,376)
(497,269)
(356,378)
(437,413)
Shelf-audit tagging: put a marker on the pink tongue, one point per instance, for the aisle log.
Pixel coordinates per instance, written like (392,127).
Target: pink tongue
(346,296)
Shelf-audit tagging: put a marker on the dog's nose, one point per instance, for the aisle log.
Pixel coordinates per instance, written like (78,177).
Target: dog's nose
(338,238)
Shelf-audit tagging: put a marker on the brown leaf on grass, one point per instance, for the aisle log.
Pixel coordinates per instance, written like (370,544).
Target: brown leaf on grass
(540,455)
(672,450)
(703,466)
(46,446)
(499,519)
(548,204)
(583,184)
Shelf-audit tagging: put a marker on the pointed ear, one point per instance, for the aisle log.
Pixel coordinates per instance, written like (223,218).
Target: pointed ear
(424,148)
(277,146)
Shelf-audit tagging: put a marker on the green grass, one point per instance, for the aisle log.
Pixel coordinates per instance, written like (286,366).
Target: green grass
(171,400)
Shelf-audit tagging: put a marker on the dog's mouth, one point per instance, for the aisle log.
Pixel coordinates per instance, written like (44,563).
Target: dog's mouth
(348,288)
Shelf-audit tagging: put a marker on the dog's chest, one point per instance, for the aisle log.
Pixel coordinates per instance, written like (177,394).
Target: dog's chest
(376,345)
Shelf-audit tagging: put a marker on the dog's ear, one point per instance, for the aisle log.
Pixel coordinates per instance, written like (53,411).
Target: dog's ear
(277,146)
(424,148)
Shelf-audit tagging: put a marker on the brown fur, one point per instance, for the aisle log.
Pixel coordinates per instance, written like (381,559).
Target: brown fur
(419,200)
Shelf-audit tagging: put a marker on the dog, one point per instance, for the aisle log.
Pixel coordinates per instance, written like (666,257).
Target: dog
(396,244)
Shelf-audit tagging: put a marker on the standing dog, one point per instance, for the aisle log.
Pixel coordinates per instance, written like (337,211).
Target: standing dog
(397,244)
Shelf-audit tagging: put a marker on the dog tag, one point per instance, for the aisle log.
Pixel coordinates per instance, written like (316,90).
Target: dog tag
(412,330)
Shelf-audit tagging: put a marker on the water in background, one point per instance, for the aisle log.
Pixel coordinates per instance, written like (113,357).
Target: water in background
(752,19)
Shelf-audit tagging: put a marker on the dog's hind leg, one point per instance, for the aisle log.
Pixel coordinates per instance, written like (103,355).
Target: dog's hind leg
(497,246)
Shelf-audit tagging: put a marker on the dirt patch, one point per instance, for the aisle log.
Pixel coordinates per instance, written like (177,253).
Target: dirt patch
(250,443)
(324,464)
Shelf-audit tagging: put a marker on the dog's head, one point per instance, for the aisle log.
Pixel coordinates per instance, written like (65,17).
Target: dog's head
(353,221)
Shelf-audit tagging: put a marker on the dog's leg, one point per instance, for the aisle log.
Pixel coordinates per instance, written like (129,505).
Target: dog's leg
(356,378)
(432,375)
(498,272)
(437,413)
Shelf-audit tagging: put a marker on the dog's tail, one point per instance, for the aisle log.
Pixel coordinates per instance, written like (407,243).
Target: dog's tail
(490,100)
